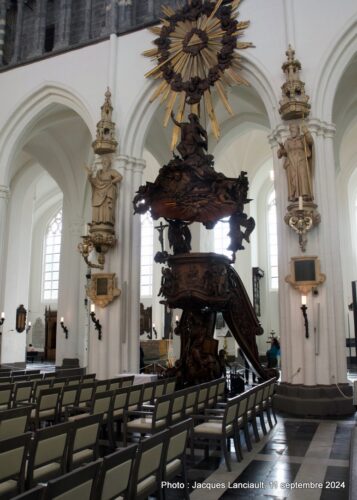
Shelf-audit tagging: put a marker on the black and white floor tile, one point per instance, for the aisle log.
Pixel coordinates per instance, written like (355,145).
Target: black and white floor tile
(311,456)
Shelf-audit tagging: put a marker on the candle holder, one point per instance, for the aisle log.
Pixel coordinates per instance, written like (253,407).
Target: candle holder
(97,324)
(64,328)
(304,313)
(302,220)
(2,319)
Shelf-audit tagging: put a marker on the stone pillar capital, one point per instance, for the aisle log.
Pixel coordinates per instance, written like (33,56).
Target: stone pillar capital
(322,128)
(4,192)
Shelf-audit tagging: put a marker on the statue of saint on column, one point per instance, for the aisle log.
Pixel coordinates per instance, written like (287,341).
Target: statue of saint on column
(298,153)
(104,192)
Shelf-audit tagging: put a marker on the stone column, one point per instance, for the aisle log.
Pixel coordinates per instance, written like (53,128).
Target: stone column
(72,278)
(319,359)
(4,198)
(63,25)
(18,35)
(118,351)
(111,17)
(2,28)
(85,34)
(40,27)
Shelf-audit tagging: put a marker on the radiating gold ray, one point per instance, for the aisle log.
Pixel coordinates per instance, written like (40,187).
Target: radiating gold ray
(150,53)
(211,114)
(219,87)
(179,118)
(158,91)
(156,30)
(157,68)
(169,108)
(216,7)
(168,11)
(212,25)
(165,94)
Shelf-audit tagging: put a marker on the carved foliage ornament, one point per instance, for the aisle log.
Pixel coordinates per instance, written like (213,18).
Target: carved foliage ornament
(195,52)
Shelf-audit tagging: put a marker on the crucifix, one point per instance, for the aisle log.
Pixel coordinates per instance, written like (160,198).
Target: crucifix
(160,228)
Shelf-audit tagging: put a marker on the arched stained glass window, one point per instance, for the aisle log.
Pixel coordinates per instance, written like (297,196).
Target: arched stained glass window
(272,242)
(147,255)
(52,253)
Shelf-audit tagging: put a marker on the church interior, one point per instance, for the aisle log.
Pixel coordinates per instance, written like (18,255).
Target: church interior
(178,252)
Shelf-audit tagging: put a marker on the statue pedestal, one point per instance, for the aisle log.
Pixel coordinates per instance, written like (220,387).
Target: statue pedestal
(314,400)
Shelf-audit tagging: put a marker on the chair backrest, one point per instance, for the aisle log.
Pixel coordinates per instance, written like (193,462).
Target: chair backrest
(149,461)
(22,392)
(177,440)
(147,394)
(260,393)
(49,375)
(162,410)
(85,435)
(73,380)
(36,493)
(68,397)
(202,397)
(5,380)
(85,393)
(243,404)
(39,386)
(251,398)
(115,474)
(49,445)
(272,387)
(101,402)
(230,413)
(78,484)
(60,382)
(19,378)
(191,398)
(221,387)
(13,454)
(90,377)
(35,376)
(5,395)
(159,388)
(119,400)
(178,405)
(48,399)
(14,422)
(114,383)
(127,381)
(170,385)
(212,393)
(134,396)
(101,386)
(266,390)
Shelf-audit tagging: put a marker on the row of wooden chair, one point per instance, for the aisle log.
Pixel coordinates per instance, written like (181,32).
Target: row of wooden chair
(11,395)
(227,419)
(132,473)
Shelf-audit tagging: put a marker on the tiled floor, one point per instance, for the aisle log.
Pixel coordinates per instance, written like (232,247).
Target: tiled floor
(296,453)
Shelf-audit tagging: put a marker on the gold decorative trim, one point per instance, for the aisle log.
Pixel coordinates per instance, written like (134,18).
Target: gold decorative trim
(102,289)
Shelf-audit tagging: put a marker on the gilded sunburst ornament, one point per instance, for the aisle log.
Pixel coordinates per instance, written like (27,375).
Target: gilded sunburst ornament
(197,51)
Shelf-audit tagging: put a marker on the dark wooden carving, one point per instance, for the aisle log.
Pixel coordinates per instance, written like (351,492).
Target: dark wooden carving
(21,314)
(50,334)
(145,319)
(187,190)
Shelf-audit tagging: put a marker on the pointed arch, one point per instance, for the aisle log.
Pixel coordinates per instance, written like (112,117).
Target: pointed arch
(28,111)
(334,63)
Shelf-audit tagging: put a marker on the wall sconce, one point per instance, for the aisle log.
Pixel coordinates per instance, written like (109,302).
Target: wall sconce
(154,330)
(2,319)
(304,313)
(64,328)
(28,328)
(96,322)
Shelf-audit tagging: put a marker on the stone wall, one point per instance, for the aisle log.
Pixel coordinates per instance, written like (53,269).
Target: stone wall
(69,23)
